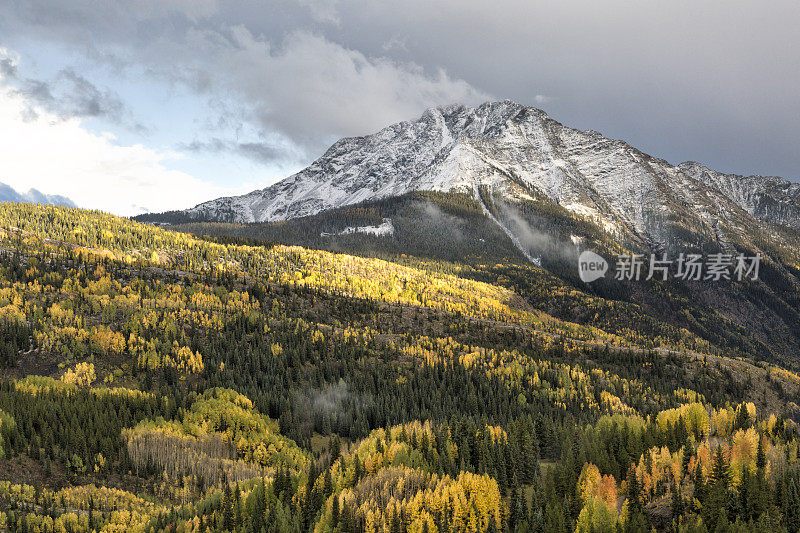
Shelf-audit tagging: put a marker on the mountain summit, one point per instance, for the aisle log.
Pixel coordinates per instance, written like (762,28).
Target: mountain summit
(9,194)
(518,152)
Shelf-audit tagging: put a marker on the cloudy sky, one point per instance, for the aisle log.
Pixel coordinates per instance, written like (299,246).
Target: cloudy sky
(148,105)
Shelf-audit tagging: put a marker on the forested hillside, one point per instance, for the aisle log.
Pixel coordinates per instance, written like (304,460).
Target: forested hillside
(449,231)
(158,381)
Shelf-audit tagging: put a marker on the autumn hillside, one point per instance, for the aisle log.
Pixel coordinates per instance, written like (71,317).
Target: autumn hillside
(154,380)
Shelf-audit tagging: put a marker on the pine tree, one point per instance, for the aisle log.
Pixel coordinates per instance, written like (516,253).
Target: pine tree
(699,482)
(677,503)
(238,518)
(715,508)
(761,457)
(515,514)
(259,508)
(720,473)
(554,520)
(327,485)
(687,455)
(633,489)
(335,512)
(91,514)
(346,518)
(792,508)
(359,469)
(742,418)
(228,520)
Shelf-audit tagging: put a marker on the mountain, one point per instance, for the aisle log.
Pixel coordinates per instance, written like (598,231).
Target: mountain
(503,189)
(517,152)
(9,194)
(444,353)
(766,197)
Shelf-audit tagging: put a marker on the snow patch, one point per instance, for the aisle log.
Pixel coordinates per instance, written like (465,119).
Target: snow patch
(592,215)
(384,230)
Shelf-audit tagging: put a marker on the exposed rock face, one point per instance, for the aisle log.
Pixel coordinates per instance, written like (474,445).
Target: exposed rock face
(766,197)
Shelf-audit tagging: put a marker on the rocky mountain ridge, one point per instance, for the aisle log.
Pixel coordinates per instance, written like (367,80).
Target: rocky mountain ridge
(520,153)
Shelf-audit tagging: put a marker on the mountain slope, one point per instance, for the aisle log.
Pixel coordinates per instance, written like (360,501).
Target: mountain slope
(154,381)
(767,197)
(504,183)
(518,152)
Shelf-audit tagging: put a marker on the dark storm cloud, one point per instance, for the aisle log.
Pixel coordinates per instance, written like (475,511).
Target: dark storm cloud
(7,68)
(261,152)
(67,95)
(292,79)
(711,81)
(70,95)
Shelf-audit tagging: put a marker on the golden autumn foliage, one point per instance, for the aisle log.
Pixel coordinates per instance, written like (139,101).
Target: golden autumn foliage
(695,418)
(220,437)
(82,375)
(85,234)
(395,483)
(125,511)
(106,299)
(657,471)
(598,494)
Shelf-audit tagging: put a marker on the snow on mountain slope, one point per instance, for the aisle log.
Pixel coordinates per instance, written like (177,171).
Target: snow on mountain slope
(766,197)
(519,152)
(386,228)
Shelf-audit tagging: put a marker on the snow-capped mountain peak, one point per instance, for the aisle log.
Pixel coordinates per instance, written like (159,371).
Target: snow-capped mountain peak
(517,151)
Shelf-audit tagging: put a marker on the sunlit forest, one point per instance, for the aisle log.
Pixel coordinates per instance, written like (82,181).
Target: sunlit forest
(154,380)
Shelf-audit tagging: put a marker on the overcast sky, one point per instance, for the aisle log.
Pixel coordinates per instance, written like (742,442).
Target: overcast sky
(160,104)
